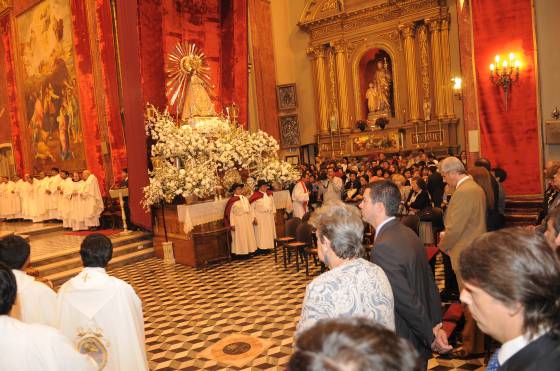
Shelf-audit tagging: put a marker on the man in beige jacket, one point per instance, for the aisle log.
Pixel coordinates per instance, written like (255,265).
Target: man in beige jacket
(465,220)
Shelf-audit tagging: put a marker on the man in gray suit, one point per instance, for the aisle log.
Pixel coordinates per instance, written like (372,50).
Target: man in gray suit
(465,220)
(399,251)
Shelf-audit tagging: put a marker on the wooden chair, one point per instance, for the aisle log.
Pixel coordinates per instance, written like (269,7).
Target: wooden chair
(304,240)
(290,230)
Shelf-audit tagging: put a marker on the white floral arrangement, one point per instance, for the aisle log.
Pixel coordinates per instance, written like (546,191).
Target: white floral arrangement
(187,158)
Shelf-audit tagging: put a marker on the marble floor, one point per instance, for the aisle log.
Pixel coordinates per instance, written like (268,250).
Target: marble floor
(188,310)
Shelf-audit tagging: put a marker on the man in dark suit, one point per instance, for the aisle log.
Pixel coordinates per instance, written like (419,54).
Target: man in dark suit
(435,186)
(495,214)
(512,286)
(399,251)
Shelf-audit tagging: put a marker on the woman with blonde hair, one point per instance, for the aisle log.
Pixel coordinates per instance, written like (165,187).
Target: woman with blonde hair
(482,177)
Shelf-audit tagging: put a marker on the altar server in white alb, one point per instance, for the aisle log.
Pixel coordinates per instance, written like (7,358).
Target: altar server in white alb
(262,202)
(33,347)
(39,206)
(96,304)
(92,202)
(53,182)
(13,202)
(300,196)
(36,302)
(239,216)
(75,213)
(26,194)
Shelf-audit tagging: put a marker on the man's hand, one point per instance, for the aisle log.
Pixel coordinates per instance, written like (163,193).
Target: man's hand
(255,222)
(232,228)
(440,344)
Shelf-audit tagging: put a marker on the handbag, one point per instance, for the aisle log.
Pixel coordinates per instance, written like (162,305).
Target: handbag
(425,215)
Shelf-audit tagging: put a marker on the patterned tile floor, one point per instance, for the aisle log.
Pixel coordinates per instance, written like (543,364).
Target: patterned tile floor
(187,310)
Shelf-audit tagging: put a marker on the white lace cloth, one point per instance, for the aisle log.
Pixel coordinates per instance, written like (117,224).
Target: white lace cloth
(211,211)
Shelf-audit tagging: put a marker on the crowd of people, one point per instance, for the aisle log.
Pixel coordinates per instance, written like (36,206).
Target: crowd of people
(75,200)
(375,309)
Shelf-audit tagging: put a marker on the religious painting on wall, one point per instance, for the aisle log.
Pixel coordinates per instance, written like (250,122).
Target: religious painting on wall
(48,86)
(289,131)
(287,98)
(376,84)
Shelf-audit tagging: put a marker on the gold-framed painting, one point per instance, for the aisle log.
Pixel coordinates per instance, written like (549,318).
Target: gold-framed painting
(286,96)
(48,86)
(289,131)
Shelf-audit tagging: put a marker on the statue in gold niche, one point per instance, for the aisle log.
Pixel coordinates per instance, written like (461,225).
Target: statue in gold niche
(378,92)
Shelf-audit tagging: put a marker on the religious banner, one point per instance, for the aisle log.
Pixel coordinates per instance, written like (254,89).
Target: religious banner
(49,89)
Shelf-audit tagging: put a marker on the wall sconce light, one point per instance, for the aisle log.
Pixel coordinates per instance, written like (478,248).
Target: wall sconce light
(505,75)
(457,87)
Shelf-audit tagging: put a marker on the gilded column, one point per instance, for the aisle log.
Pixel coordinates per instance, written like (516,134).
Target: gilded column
(446,74)
(422,34)
(342,85)
(412,84)
(318,55)
(435,39)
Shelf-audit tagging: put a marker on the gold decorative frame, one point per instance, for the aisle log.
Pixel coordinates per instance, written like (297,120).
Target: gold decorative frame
(286,96)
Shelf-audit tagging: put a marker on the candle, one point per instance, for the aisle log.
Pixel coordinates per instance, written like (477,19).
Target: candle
(497,59)
(517,64)
(511,56)
(505,64)
(492,67)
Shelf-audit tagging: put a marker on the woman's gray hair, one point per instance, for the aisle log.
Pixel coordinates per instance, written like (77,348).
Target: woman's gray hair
(342,225)
(452,164)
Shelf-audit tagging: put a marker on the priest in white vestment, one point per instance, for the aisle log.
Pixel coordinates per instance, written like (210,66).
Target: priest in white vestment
(33,347)
(92,202)
(36,302)
(94,301)
(53,195)
(262,202)
(3,197)
(239,216)
(13,201)
(75,214)
(25,191)
(300,197)
(39,210)
(65,192)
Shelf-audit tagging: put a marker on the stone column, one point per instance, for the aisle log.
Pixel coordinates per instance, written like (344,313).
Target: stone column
(318,55)
(446,74)
(435,39)
(407,31)
(342,85)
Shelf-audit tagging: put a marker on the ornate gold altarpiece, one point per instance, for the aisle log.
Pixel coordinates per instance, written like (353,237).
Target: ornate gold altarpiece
(415,35)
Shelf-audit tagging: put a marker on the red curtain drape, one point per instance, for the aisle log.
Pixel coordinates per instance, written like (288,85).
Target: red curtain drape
(11,90)
(509,139)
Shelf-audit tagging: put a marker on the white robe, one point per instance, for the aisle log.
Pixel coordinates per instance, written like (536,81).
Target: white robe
(92,202)
(66,187)
(52,198)
(95,300)
(13,201)
(39,210)
(25,190)
(36,302)
(265,230)
(3,200)
(243,237)
(300,198)
(35,347)
(75,214)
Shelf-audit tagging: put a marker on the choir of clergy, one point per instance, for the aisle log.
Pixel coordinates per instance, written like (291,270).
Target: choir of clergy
(77,201)
(93,313)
